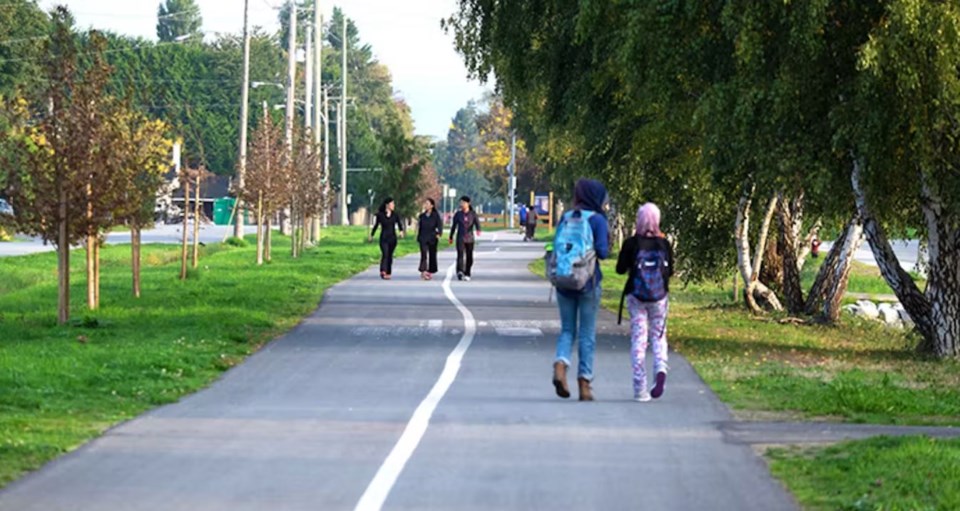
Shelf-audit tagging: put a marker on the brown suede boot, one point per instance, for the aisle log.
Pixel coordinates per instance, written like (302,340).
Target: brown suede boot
(560,379)
(586,394)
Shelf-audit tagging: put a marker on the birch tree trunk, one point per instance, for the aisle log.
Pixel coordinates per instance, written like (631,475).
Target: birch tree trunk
(755,292)
(830,285)
(790,212)
(943,282)
(916,303)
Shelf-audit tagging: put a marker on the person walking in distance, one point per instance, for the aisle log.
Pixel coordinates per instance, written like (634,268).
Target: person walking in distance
(523,221)
(581,241)
(429,230)
(648,259)
(389,223)
(532,219)
(465,224)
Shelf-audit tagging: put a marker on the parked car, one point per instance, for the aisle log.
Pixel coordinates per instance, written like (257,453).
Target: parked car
(5,208)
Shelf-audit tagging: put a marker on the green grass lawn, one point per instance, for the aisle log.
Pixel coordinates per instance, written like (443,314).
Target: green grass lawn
(61,386)
(890,474)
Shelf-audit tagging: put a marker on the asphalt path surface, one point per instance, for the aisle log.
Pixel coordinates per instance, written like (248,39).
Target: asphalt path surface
(406,395)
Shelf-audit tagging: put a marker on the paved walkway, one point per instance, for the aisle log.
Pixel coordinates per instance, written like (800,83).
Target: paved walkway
(407,395)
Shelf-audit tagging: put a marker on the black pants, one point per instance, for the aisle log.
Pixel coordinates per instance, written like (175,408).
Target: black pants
(387,247)
(428,256)
(531,231)
(464,249)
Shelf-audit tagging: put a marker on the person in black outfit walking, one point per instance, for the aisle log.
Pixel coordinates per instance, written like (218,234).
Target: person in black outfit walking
(429,230)
(465,223)
(389,222)
(532,219)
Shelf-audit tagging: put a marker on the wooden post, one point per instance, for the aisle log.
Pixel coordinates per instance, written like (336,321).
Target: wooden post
(186,227)
(268,238)
(550,212)
(260,232)
(135,254)
(63,263)
(197,209)
(91,269)
(96,272)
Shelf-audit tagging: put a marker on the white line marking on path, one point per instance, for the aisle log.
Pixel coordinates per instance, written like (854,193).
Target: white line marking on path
(379,488)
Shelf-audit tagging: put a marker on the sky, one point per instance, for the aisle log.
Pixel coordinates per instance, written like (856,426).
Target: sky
(404,34)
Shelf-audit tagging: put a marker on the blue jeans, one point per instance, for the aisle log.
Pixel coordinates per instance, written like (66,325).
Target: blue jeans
(584,307)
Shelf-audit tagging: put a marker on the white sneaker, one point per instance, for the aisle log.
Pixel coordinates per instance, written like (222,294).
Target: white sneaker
(642,396)
(466,278)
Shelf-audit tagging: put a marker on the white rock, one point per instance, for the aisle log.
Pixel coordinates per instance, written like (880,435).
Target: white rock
(888,314)
(853,309)
(904,316)
(868,309)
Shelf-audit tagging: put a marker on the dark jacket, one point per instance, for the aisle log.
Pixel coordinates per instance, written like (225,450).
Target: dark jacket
(626,263)
(464,225)
(590,195)
(388,224)
(430,227)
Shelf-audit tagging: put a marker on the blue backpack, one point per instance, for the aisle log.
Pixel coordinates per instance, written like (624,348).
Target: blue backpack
(648,283)
(573,261)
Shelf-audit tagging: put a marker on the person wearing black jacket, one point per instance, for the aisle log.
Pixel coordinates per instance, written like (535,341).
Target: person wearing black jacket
(429,230)
(389,223)
(647,302)
(465,223)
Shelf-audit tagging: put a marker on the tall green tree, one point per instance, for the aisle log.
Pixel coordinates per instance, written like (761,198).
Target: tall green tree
(904,127)
(23,29)
(179,19)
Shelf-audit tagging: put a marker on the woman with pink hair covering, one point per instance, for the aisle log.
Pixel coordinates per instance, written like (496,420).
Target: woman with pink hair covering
(648,258)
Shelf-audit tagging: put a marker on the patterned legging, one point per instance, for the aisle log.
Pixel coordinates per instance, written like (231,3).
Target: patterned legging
(648,325)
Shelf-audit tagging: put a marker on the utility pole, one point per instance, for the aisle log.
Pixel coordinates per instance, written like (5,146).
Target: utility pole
(244,121)
(309,233)
(319,116)
(308,77)
(513,178)
(291,91)
(326,156)
(343,128)
(340,142)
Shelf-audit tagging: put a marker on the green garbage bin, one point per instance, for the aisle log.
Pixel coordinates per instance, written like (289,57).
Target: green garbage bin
(222,208)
